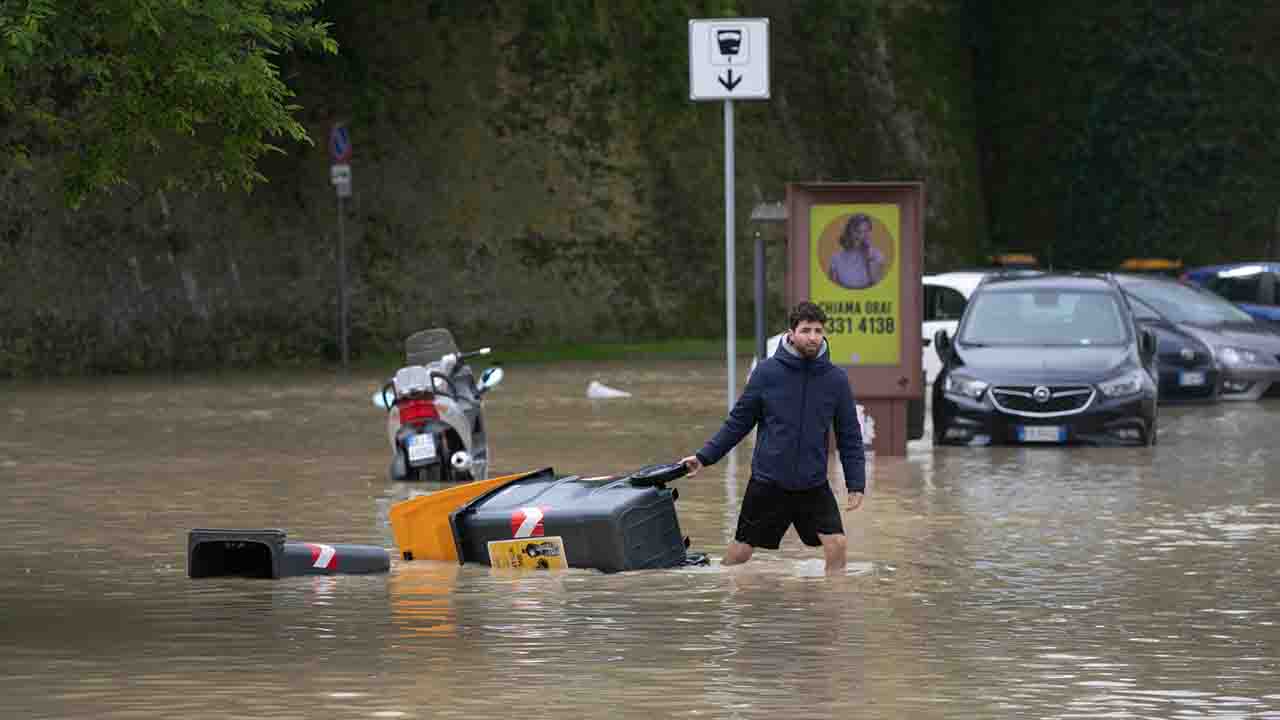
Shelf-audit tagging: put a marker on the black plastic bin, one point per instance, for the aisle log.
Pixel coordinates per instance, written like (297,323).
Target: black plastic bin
(267,554)
(610,524)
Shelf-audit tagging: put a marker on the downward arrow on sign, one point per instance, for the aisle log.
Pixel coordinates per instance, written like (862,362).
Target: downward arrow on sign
(729,81)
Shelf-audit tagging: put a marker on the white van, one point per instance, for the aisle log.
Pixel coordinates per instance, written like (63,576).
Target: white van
(945,297)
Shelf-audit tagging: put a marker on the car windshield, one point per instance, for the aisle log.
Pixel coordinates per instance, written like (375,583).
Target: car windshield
(1044,317)
(1181,304)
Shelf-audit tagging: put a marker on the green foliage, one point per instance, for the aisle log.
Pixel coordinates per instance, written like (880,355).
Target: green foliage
(1138,130)
(189,89)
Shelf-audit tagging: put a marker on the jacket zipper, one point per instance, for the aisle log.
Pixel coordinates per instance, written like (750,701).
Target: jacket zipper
(804,401)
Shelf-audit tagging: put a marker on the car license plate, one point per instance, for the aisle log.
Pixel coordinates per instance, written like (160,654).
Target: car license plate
(1190,379)
(1042,433)
(422,447)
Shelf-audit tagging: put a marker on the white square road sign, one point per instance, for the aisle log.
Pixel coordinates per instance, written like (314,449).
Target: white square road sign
(729,59)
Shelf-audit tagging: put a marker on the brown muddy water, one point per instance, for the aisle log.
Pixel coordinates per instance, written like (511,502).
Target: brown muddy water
(1026,582)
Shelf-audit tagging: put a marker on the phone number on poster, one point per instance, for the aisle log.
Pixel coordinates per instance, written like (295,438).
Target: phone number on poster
(865,326)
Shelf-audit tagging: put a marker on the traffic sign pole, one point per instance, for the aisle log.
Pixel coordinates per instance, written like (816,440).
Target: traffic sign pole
(728,61)
(340,175)
(342,290)
(730,296)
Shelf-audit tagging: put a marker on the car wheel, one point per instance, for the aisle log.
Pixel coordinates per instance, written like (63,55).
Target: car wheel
(1153,436)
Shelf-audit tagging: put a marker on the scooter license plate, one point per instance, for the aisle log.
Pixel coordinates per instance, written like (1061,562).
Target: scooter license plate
(422,447)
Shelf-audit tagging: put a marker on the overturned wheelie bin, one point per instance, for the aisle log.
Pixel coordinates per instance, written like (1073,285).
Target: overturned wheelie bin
(541,520)
(219,552)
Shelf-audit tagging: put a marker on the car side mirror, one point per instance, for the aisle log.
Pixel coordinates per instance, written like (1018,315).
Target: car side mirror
(942,343)
(489,378)
(1148,345)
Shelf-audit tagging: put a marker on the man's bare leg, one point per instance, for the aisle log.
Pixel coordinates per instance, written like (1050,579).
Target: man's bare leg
(836,550)
(737,553)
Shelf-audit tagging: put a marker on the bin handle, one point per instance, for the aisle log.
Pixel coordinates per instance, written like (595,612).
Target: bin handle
(658,474)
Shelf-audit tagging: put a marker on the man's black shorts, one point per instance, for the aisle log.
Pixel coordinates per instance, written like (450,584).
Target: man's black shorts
(768,510)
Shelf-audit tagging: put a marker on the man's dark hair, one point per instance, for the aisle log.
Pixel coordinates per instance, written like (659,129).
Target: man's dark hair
(806,311)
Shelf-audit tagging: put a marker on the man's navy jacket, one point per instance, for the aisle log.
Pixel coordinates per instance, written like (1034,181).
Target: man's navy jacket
(794,400)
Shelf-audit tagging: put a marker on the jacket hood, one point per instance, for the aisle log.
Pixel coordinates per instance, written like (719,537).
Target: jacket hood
(789,356)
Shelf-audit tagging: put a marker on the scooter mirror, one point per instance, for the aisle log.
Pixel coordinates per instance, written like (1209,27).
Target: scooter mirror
(489,378)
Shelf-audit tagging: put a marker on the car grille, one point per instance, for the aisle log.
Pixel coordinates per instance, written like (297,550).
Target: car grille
(1062,399)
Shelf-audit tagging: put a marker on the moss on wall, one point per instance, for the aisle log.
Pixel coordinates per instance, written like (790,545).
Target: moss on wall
(528,173)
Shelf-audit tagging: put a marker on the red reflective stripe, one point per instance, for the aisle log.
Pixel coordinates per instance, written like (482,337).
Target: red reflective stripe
(330,563)
(527,522)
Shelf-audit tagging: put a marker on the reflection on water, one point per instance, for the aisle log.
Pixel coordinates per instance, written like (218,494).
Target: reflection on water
(983,582)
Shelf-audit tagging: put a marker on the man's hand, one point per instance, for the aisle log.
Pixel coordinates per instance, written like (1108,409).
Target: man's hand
(855,501)
(693,464)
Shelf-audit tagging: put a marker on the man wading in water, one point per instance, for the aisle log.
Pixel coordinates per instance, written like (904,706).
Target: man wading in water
(794,396)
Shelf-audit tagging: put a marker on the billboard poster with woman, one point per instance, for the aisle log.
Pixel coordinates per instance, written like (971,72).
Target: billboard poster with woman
(855,276)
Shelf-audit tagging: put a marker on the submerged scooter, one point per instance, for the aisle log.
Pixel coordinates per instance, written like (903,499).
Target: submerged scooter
(435,418)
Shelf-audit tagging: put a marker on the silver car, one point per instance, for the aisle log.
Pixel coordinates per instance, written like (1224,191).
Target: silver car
(1247,351)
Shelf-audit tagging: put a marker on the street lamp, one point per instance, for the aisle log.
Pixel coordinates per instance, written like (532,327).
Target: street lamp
(774,212)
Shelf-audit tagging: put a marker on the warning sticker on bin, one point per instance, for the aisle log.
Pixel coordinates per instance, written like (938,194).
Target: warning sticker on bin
(544,553)
(527,522)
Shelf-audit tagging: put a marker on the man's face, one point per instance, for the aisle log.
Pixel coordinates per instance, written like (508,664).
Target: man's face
(807,338)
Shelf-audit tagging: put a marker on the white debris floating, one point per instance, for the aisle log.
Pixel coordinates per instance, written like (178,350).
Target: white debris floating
(597,390)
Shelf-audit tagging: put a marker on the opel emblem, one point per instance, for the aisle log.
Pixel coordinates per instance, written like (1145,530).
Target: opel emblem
(1188,354)
(1041,394)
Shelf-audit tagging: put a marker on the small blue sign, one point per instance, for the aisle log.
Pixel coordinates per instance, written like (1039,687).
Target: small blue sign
(340,144)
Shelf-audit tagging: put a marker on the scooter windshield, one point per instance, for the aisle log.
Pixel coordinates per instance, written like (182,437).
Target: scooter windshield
(427,346)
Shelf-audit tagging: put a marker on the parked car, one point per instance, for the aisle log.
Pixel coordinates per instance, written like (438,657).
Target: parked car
(1254,286)
(1049,358)
(1189,369)
(1246,349)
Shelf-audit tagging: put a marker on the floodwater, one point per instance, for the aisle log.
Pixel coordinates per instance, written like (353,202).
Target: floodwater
(984,582)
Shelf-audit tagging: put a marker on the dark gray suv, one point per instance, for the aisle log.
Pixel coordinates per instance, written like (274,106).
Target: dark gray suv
(1052,359)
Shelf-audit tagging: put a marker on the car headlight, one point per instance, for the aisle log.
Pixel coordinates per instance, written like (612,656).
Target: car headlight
(1129,383)
(1235,357)
(964,386)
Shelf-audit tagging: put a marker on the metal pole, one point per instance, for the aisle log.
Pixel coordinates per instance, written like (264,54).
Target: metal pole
(342,288)
(759,273)
(730,319)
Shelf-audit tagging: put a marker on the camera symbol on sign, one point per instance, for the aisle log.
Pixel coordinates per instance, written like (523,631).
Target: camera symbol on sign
(730,46)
